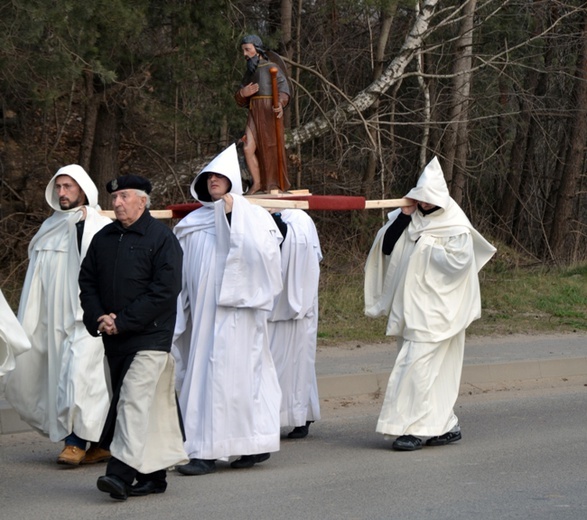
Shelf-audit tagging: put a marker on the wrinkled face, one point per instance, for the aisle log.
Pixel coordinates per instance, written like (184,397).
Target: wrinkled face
(128,206)
(249,50)
(69,192)
(218,185)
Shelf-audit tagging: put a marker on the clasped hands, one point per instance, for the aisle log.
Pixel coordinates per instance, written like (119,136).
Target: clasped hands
(107,325)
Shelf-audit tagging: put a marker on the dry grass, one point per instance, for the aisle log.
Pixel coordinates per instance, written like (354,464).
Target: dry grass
(515,299)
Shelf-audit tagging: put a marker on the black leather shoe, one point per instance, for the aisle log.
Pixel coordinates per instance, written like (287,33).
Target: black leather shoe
(197,467)
(299,432)
(444,439)
(141,489)
(113,485)
(407,443)
(248,461)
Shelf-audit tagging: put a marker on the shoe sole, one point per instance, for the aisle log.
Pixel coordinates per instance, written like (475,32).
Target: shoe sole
(103,459)
(64,462)
(105,487)
(154,492)
(195,473)
(259,458)
(301,435)
(405,448)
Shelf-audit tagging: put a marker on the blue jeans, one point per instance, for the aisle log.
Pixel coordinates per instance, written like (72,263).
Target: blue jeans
(73,440)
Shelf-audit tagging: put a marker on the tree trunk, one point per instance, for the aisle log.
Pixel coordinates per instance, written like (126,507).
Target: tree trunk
(375,154)
(512,202)
(456,142)
(287,45)
(562,226)
(92,104)
(104,163)
(286,30)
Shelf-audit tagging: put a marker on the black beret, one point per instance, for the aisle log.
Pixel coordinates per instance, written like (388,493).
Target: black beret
(129,182)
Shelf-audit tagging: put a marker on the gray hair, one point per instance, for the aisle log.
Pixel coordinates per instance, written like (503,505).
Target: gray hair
(142,193)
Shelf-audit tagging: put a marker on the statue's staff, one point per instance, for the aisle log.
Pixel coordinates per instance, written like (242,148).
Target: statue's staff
(278,127)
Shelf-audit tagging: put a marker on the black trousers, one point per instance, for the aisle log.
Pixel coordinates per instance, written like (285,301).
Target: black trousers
(128,474)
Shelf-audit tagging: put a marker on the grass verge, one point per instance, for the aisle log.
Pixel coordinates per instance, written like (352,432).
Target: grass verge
(515,300)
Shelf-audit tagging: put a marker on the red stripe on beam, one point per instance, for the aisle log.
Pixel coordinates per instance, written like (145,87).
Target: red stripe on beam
(315,202)
(181,210)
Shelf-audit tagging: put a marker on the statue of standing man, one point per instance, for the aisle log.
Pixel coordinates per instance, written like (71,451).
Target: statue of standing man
(264,135)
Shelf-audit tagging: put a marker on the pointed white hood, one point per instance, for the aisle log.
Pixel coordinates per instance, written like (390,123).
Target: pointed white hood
(79,175)
(226,163)
(431,186)
(449,220)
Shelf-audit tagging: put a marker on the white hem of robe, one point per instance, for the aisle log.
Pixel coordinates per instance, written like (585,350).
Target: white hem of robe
(13,339)
(293,324)
(423,388)
(59,386)
(227,384)
(147,435)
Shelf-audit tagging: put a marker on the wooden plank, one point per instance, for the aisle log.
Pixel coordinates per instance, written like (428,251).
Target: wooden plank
(279,203)
(157,213)
(387,203)
(279,194)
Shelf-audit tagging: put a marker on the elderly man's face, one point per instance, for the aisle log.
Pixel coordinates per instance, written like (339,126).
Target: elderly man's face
(69,192)
(249,50)
(128,206)
(218,185)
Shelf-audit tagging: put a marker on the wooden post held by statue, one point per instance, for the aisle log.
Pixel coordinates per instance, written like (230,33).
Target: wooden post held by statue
(278,130)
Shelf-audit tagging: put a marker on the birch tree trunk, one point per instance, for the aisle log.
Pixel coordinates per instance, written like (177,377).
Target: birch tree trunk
(367,97)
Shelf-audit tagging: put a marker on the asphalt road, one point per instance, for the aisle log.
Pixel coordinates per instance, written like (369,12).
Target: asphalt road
(523,456)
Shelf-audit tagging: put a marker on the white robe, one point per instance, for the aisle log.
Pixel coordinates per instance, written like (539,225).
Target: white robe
(59,385)
(293,325)
(229,394)
(13,339)
(148,436)
(429,286)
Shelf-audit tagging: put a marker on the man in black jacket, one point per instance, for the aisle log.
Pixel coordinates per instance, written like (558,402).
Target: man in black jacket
(129,283)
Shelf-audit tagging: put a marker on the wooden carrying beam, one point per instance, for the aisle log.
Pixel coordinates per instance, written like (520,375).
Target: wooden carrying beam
(157,213)
(285,201)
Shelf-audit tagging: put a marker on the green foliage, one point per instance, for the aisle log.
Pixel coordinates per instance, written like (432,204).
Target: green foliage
(202,68)
(47,45)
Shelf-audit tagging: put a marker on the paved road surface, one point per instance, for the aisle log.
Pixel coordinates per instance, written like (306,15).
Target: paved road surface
(523,456)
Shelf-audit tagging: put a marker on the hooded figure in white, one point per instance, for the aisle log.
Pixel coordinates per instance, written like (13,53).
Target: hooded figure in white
(293,325)
(428,284)
(13,339)
(228,389)
(59,386)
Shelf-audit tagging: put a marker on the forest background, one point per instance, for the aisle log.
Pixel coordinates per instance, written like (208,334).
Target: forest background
(497,89)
